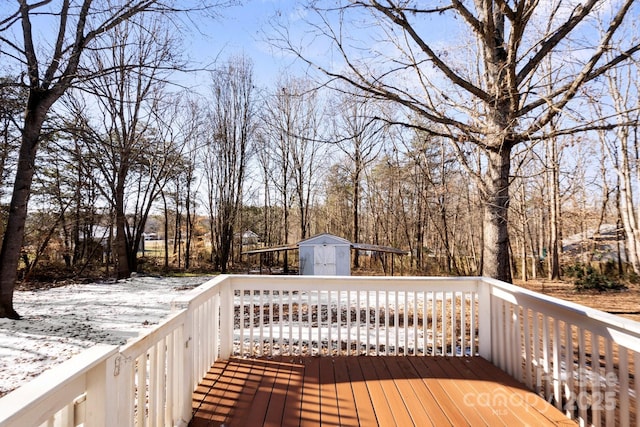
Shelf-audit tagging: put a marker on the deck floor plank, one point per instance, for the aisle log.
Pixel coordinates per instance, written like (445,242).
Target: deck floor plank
(310,406)
(439,387)
(275,413)
(425,396)
(361,398)
(413,400)
(293,402)
(248,383)
(382,408)
(346,399)
(539,406)
(510,404)
(469,394)
(329,413)
(257,411)
(212,389)
(366,391)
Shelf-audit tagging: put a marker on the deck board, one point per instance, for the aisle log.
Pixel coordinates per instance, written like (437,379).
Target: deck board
(366,391)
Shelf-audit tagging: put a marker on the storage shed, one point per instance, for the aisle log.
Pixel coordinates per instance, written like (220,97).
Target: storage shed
(325,255)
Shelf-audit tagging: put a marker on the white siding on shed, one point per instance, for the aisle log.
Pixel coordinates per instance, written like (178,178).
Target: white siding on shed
(325,255)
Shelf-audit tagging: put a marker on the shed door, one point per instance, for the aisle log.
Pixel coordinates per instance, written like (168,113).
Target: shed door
(324,260)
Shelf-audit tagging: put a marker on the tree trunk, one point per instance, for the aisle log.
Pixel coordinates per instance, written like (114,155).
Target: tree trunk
(356,215)
(496,205)
(554,211)
(37,108)
(123,269)
(166,232)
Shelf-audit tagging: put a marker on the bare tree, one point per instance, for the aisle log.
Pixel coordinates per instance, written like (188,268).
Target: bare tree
(292,128)
(125,133)
(494,102)
(623,152)
(233,121)
(360,137)
(50,65)
(13,99)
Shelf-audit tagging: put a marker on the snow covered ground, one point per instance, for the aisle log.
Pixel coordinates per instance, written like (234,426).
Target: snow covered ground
(59,323)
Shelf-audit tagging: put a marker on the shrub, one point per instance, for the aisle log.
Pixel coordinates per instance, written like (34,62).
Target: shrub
(586,278)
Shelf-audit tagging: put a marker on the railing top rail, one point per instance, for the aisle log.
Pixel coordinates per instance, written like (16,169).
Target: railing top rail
(32,403)
(200,293)
(140,344)
(621,330)
(357,282)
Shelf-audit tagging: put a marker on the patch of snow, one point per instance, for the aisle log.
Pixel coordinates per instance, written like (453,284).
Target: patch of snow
(58,323)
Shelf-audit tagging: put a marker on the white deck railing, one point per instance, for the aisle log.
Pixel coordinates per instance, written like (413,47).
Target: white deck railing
(580,359)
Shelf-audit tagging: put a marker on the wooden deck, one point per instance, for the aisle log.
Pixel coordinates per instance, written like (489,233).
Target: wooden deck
(367,391)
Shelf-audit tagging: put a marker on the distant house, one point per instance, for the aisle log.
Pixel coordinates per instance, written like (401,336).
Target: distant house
(603,244)
(250,238)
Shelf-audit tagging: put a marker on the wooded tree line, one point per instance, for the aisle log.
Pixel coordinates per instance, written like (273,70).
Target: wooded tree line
(476,155)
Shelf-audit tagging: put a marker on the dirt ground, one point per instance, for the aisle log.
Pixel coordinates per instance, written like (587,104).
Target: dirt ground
(624,303)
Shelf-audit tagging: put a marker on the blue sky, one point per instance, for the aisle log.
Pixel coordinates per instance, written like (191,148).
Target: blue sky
(240,30)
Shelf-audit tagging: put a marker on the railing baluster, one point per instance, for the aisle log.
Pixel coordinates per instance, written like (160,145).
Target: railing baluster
(535,357)
(162,380)
(546,355)
(396,323)
(339,338)
(252,313)
(281,321)
(348,309)
(518,341)
(636,384)
(141,387)
(290,317)
(499,337)
(299,311)
(422,329)
(241,320)
(454,323)
(270,319)
(583,373)
(596,389)
(203,339)
(386,322)
(308,330)
(377,322)
(434,322)
(171,377)
(557,393)
(623,366)
(416,342)
(358,340)
(609,375)
(405,322)
(261,329)
(368,320)
(444,322)
(570,393)
(153,386)
(528,365)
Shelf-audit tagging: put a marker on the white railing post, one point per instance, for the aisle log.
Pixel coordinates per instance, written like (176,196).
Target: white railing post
(124,371)
(226,319)
(100,408)
(484,319)
(186,381)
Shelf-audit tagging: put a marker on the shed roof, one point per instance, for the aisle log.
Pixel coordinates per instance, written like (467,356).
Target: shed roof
(324,239)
